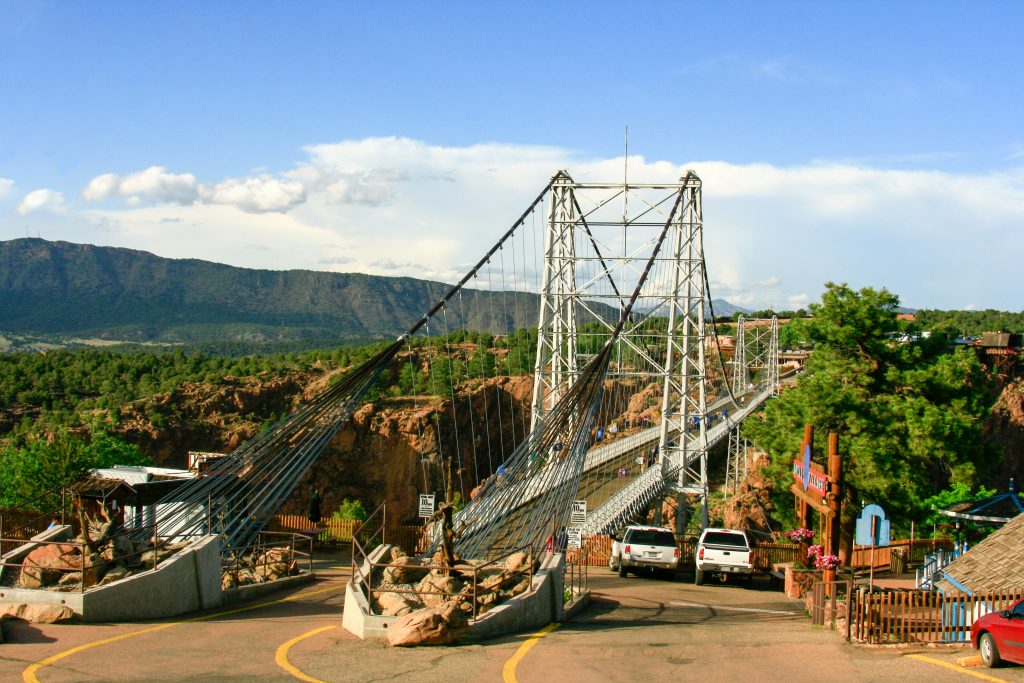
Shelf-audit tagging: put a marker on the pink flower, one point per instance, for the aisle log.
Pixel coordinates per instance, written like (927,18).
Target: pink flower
(826,562)
(801,535)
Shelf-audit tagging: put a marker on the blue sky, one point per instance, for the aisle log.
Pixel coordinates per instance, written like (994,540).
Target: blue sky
(886,139)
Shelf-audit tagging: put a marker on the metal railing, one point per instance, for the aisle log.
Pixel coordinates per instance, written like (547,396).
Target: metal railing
(258,554)
(369,535)
(577,575)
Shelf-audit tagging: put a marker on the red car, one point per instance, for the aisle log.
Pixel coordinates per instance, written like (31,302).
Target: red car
(1000,636)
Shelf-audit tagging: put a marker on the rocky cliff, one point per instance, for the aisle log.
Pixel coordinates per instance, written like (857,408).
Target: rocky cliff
(390,451)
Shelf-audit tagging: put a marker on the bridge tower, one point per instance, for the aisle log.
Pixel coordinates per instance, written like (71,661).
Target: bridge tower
(556,364)
(683,442)
(740,373)
(598,239)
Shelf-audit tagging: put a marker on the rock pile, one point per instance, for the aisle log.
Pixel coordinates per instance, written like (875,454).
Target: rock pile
(260,567)
(96,556)
(435,604)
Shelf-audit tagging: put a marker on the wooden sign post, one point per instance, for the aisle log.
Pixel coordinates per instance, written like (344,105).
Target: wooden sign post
(818,490)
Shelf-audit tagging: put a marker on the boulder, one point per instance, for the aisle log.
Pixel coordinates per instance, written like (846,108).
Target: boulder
(274,564)
(517,562)
(160,553)
(123,546)
(521,587)
(45,565)
(398,604)
(115,573)
(408,571)
(247,576)
(70,579)
(435,589)
(36,613)
(432,626)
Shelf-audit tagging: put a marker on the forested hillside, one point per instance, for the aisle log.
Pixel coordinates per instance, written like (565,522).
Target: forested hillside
(53,292)
(59,288)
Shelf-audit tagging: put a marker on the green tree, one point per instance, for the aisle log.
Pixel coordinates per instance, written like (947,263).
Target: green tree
(350,509)
(906,411)
(37,471)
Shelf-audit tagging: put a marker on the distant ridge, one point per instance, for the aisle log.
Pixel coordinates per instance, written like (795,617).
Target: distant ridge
(81,290)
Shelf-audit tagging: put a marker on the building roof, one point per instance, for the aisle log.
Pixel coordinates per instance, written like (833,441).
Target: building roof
(997,509)
(995,565)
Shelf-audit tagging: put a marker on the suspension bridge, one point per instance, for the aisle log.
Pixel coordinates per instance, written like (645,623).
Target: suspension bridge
(631,387)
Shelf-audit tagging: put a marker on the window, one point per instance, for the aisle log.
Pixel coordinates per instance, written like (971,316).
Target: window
(723,538)
(651,537)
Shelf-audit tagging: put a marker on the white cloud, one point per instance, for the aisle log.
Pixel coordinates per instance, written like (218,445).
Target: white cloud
(394,205)
(5,186)
(39,199)
(155,184)
(797,301)
(259,194)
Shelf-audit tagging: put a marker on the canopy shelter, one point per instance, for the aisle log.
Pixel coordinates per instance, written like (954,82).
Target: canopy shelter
(994,510)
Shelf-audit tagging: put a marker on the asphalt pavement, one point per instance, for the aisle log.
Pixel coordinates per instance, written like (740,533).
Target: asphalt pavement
(635,629)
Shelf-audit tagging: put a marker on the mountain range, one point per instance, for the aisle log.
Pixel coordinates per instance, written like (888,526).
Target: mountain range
(61,289)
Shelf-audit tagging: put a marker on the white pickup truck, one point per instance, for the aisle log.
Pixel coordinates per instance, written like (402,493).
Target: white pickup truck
(723,552)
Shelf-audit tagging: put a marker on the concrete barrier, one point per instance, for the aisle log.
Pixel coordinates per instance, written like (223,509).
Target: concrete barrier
(257,590)
(189,581)
(357,618)
(541,605)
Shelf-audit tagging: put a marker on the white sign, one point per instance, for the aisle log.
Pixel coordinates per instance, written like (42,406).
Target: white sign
(426,504)
(579,512)
(575,537)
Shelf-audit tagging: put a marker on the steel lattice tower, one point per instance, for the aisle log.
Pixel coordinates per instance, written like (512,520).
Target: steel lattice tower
(577,260)
(556,364)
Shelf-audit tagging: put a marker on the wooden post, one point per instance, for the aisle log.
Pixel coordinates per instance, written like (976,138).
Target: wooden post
(835,495)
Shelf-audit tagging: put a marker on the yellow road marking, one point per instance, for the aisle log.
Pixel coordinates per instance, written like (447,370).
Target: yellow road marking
(29,675)
(954,667)
(508,672)
(281,656)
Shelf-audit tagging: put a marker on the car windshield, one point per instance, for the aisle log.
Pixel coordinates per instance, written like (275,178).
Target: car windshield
(651,537)
(725,538)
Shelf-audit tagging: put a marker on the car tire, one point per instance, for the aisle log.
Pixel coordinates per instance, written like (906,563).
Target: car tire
(989,651)
(698,577)
(622,570)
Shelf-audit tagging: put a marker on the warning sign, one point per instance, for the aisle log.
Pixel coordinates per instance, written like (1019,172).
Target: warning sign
(426,504)
(579,512)
(575,537)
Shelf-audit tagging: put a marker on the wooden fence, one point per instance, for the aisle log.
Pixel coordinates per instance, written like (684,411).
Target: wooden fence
(330,530)
(766,555)
(921,616)
(598,548)
(899,553)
